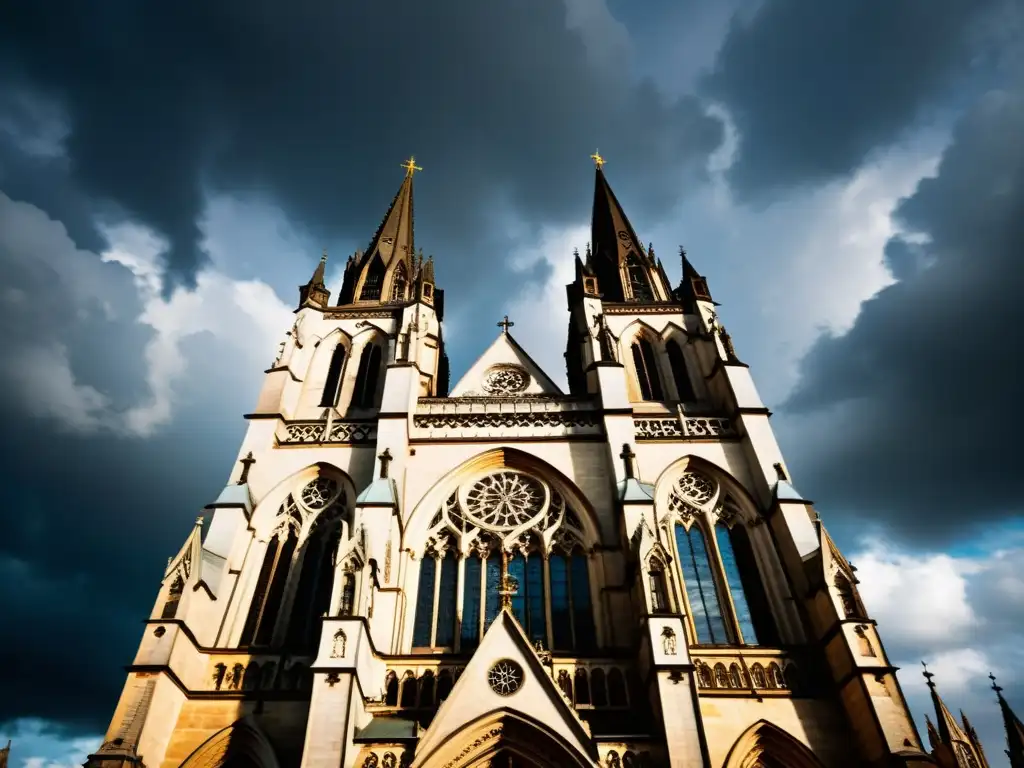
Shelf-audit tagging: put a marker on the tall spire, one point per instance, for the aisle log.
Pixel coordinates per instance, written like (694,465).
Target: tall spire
(620,261)
(955,748)
(315,293)
(370,277)
(1014,729)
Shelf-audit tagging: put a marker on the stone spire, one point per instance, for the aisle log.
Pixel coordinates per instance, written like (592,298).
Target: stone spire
(388,264)
(1014,729)
(624,269)
(693,287)
(315,293)
(954,747)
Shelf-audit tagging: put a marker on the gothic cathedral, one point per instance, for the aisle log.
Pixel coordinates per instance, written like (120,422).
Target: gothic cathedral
(500,573)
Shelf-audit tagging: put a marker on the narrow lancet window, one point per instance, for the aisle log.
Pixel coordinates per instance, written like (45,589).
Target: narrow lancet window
(365,394)
(698,578)
(684,386)
(445,634)
(374,279)
(332,386)
(639,284)
(424,623)
(646,370)
(472,578)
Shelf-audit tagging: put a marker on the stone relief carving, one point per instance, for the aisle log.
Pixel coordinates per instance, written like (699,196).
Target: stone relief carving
(338,646)
(668,641)
(505,380)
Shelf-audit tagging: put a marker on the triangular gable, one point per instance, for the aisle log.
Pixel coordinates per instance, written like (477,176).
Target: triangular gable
(505,351)
(537,699)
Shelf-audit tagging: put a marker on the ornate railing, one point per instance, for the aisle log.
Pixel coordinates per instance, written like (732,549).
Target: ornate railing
(339,431)
(682,427)
(752,670)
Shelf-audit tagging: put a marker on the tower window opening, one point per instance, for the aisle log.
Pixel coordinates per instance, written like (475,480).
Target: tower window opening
(365,393)
(639,284)
(659,594)
(332,386)
(680,373)
(646,370)
(398,283)
(374,281)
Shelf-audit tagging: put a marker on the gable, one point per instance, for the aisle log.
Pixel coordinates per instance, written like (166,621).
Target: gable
(505,678)
(503,370)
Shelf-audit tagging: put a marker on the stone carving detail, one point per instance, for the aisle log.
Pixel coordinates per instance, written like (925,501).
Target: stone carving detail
(695,487)
(668,641)
(389,760)
(504,500)
(671,428)
(319,492)
(565,419)
(505,380)
(370,761)
(472,747)
(338,647)
(505,677)
(341,432)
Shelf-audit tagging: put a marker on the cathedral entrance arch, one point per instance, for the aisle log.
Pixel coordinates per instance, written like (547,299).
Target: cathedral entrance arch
(764,745)
(504,739)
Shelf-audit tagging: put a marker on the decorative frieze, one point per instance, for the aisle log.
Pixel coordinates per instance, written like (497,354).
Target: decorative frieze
(759,672)
(684,428)
(521,416)
(306,432)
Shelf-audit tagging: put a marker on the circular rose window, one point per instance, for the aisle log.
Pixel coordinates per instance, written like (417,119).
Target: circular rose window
(696,488)
(505,380)
(505,677)
(318,493)
(504,500)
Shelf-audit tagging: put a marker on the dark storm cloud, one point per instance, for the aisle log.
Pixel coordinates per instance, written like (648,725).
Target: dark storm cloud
(918,398)
(315,103)
(815,87)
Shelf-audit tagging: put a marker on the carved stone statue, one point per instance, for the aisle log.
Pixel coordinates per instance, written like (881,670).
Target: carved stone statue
(668,641)
(338,648)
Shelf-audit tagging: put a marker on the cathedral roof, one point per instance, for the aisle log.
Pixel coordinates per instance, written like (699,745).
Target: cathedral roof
(505,354)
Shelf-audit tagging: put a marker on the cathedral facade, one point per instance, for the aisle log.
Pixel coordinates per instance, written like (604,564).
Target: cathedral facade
(403,573)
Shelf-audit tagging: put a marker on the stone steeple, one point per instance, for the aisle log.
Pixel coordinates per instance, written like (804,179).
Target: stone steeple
(383,273)
(1014,729)
(952,744)
(315,292)
(625,270)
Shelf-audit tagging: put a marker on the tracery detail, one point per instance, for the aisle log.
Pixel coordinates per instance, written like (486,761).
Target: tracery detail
(504,500)
(319,492)
(505,380)
(505,677)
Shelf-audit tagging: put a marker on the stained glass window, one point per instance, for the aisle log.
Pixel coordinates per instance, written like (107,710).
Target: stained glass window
(365,393)
(374,278)
(471,603)
(561,608)
(582,610)
(698,579)
(536,618)
(424,604)
(333,383)
(492,586)
(684,387)
(446,599)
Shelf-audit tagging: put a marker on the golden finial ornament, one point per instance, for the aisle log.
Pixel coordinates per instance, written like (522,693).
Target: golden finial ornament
(598,160)
(410,166)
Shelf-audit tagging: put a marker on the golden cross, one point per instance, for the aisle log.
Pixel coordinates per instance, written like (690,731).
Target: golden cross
(410,166)
(598,160)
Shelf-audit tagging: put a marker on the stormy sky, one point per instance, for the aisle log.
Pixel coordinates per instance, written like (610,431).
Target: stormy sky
(849,175)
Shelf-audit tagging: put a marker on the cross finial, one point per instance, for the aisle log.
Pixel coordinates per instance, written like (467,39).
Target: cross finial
(928,676)
(998,689)
(323,258)
(627,456)
(410,166)
(598,160)
(505,324)
(385,459)
(247,462)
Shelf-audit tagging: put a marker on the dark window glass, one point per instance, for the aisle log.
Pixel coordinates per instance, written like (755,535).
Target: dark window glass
(424,604)
(301,611)
(561,608)
(639,285)
(582,610)
(365,393)
(374,278)
(348,594)
(446,598)
(256,607)
(517,570)
(536,618)
(272,605)
(493,587)
(659,596)
(616,688)
(753,588)
(398,282)
(598,691)
(582,687)
(684,387)
(471,603)
(333,383)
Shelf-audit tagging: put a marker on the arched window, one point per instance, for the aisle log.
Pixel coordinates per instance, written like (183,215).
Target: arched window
(427,689)
(616,688)
(374,279)
(266,601)
(170,609)
(582,610)
(313,593)
(332,386)
(391,689)
(598,691)
(408,698)
(365,393)
(471,591)
(753,615)
(582,687)
(348,594)
(446,598)
(438,577)
(684,386)
(639,284)
(646,368)
(659,592)
(698,578)
(398,283)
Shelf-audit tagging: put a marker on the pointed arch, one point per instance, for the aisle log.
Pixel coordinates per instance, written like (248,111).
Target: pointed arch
(645,368)
(399,282)
(373,280)
(332,384)
(764,745)
(241,743)
(371,359)
(680,371)
(638,279)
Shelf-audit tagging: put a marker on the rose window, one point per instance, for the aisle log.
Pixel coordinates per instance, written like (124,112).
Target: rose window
(696,488)
(505,677)
(506,380)
(504,500)
(318,493)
